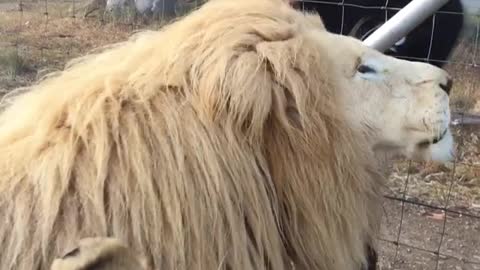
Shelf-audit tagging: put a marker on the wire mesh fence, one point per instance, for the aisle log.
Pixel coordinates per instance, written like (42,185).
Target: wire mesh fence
(432,212)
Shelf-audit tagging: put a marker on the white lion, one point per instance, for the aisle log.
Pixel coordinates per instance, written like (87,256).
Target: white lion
(402,106)
(239,137)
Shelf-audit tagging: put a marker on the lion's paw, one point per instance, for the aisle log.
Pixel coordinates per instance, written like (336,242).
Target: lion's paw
(100,254)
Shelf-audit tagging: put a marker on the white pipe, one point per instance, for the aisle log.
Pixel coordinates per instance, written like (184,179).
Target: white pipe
(402,23)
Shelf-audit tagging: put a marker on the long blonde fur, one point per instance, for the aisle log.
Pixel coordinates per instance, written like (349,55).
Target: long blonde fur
(214,143)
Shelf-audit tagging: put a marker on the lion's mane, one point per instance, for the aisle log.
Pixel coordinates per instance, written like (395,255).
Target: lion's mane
(218,142)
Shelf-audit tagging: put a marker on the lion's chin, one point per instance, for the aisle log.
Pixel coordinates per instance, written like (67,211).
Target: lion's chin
(441,151)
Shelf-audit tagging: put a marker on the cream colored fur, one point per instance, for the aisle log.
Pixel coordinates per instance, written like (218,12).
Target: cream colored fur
(224,141)
(400,103)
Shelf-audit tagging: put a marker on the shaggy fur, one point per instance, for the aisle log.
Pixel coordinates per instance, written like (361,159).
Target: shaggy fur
(215,143)
(100,254)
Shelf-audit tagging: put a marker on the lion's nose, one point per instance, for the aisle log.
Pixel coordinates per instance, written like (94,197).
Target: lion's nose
(447,86)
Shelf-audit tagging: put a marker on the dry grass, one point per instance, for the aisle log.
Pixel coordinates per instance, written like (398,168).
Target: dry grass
(45,43)
(466,91)
(11,63)
(456,185)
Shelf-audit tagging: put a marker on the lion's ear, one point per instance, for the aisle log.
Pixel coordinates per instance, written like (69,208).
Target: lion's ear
(255,90)
(254,82)
(288,85)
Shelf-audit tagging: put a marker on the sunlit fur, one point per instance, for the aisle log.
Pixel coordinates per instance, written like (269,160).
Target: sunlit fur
(215,143)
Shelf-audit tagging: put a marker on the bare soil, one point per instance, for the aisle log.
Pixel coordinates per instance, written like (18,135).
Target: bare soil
(427,240)
(417,232)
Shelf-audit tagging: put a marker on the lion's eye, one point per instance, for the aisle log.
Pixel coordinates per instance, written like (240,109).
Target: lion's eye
(365,69)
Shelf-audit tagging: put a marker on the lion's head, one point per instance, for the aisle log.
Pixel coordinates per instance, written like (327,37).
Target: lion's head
(401,106)
(238,137)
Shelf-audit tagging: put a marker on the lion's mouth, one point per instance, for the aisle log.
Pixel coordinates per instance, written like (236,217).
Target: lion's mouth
(435,140)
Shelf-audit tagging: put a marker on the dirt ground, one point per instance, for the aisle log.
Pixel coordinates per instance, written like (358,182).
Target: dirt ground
(421,236)
(428,237)
(33,44)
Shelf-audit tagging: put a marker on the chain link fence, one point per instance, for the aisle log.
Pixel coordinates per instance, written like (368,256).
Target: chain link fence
(431,211)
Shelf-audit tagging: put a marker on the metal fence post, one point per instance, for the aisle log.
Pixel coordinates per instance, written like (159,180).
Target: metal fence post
(402,23)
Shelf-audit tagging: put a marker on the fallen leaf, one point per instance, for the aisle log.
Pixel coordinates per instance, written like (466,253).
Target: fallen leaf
(436,216)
